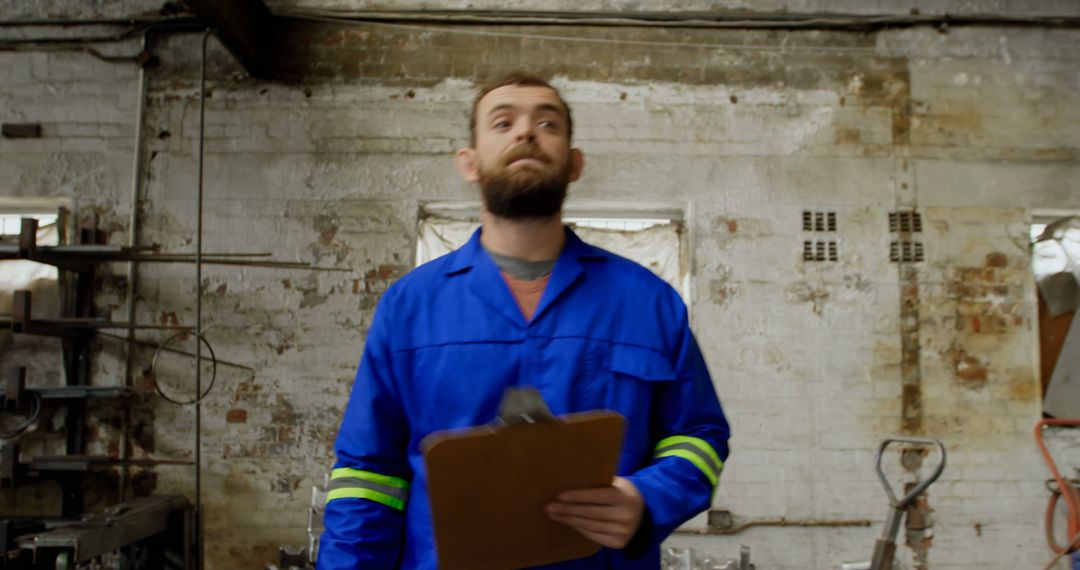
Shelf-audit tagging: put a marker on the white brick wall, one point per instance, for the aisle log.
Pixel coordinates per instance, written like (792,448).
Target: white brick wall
(806,357)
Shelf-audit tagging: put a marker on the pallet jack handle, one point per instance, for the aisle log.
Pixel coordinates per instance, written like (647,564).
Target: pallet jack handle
(918,489)
(885,547)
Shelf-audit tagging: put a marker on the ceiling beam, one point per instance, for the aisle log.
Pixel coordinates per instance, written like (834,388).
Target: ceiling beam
(247,28)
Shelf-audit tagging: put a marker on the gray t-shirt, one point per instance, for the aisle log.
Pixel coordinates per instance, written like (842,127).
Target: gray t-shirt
(520,268)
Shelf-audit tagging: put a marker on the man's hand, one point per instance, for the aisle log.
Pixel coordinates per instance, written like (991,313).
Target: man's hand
(608,516)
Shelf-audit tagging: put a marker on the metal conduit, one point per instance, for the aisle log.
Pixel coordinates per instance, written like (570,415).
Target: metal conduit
(132,273)
(199,535)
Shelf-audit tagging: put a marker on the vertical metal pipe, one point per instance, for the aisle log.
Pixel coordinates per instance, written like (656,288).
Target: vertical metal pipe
(200,535)
(132,272)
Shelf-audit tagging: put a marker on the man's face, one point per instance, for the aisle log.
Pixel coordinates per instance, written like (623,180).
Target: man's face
(522,158)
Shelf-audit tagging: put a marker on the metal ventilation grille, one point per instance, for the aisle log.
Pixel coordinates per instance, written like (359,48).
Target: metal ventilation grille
(905,221)
(905,248)
(814,221)
(905,251)
(820,251)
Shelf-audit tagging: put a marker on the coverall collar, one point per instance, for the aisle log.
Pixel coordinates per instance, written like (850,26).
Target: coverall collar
(471,262)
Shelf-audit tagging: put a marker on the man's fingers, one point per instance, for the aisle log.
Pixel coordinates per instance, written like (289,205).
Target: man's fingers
(591,525)
(608,516)
(589,511)
(608,540)
(598,496)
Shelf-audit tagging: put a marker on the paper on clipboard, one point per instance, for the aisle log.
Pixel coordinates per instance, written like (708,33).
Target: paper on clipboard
(488,486)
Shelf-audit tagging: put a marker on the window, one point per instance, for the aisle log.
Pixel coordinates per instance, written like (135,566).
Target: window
(650,234)
(17,274)
(1055,242)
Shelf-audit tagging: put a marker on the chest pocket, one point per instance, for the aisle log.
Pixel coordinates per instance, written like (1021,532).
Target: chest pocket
(640,363)
(637,377)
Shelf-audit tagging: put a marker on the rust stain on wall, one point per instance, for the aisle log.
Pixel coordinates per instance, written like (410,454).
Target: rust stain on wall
(969,370)
(803,292)
(847,136)
(721,291)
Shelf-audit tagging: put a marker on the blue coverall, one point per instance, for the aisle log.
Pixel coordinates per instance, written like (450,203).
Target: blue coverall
(448,338)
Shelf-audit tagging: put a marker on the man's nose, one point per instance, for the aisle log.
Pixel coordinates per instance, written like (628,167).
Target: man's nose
(524,130)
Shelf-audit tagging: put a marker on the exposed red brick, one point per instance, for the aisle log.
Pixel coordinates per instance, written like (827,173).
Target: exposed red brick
(997,259)
(235,416)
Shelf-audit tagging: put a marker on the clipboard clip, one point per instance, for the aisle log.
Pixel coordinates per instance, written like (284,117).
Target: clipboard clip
(523,405)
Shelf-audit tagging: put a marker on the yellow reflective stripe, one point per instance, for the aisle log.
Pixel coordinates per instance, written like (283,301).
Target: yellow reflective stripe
(345,472)
(357,493)
(692,458)
(694,450)
(696,442)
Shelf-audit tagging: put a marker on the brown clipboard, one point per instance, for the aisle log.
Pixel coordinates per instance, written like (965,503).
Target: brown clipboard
(488,486)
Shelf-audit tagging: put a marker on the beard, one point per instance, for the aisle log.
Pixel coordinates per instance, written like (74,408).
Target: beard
(526,192)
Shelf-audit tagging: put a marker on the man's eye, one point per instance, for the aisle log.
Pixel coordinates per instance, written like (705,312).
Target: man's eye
(502,125)
(551,125)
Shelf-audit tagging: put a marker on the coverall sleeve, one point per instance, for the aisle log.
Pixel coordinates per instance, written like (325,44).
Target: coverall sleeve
(369,485)
(690,435)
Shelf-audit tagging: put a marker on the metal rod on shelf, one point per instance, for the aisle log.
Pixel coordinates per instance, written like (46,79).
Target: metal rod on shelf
(146,344)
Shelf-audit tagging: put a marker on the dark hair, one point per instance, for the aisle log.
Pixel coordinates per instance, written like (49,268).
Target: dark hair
(520,79)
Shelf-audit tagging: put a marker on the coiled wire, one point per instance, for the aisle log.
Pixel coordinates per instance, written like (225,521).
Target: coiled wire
(213,375)
(35,411)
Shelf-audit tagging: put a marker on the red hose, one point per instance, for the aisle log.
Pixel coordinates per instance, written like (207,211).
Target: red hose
(1067,490)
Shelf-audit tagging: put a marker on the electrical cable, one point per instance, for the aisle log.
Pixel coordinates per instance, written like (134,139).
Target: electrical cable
(200,394)
(743,20)
(1069,490)
(1071,548)
(591,39)
(1065,489)
(79,43)
(35,411)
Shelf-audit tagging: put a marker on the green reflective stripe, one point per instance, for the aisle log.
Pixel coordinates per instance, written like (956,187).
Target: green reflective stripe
(692,458)
(345,473)
(694,450)
(369,494)
(350,482)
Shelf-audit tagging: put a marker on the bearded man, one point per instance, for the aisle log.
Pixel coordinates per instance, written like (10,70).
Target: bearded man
(525,303)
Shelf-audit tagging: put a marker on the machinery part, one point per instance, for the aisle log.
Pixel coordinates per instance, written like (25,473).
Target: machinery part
(304,558)
(315,511)
(677,559)
(1065,488)
(723,523)
(119,526)
(523,405)
(687,559)
(161,347)
(743,563)
(885,548)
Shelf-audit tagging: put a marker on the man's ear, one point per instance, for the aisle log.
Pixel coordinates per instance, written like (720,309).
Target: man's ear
(577,164)
(465,162)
